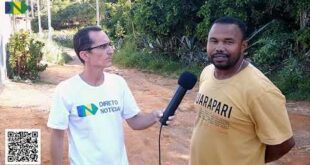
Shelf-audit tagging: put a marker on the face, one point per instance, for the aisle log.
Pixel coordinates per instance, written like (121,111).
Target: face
(100,52)
(225,45)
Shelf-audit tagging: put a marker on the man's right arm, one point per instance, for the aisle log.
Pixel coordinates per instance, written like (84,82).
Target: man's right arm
(57,142)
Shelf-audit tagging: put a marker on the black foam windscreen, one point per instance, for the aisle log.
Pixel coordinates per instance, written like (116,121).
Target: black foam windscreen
(187,80)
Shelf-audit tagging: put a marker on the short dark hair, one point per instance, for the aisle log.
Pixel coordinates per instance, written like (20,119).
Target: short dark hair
(232,20)
(82,41)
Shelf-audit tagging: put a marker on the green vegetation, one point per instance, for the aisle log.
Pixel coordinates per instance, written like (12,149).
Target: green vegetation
(26,51)
(168,36)
(67,14)
(129,56)
(64,37)
(24,57)
(53,53)
(176,29)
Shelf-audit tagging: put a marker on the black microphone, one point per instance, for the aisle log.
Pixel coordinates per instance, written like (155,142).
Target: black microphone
(186,82)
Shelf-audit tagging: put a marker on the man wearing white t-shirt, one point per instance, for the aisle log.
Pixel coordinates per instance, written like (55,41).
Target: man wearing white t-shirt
(92,105)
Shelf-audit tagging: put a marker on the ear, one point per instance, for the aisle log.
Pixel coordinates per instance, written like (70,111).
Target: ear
(84,55)
(244,46)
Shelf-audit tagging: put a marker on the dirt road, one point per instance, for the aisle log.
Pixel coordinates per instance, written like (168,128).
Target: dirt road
(27,106)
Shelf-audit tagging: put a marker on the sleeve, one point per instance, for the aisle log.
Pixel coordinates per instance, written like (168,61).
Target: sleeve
(59,113)
(203,74)
(272,124)
(130,107)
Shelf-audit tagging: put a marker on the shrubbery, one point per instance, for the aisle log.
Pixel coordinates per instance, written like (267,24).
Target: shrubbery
(72,16)
(53,53)
(25,56)
(130,56)
(64,37)
(178,29)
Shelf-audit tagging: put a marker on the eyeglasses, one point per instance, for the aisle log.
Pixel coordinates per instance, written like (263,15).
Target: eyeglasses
(102,46)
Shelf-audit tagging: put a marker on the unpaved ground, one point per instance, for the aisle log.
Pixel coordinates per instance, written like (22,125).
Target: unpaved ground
(26,106)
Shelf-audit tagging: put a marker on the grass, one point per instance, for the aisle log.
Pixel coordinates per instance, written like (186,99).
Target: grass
(292,86)
(54,53)
(129,56)
(64,37)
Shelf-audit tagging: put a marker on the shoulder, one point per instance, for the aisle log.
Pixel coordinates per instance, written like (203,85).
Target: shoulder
(70,81)
(256,77)
(257,83)
(206,71)
(68,84)
(114,78)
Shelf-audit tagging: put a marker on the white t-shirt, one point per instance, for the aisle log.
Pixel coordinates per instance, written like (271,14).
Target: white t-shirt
(93,116)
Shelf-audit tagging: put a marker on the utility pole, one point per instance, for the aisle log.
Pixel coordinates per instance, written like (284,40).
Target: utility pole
(39,17)
(49,20)
(28,26)
(32,9)
(97,12)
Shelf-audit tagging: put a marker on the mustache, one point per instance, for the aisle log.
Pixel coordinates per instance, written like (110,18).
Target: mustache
(219,54)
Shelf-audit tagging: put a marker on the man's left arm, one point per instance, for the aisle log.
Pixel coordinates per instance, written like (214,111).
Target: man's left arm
(144,120)
(272,123)
(275,152)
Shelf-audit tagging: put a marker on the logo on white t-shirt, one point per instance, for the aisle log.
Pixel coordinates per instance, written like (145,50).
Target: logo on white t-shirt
(87,110)
(109,106)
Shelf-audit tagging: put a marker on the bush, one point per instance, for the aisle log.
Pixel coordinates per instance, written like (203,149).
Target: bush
(168,27)
(64,58)
(25,56)
(74,15)
(285,58)
(293,81)
(54,53)
(35,23)
(64,37)
(130,56)
(303,38)
(117,19)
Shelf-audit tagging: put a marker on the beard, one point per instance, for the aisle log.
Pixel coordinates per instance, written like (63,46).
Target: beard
(225,64)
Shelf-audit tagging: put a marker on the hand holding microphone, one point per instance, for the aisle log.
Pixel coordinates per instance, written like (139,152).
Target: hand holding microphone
(158,114)
(186,82)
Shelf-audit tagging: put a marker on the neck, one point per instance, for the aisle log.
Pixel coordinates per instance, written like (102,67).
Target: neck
(93,77)
(224,74)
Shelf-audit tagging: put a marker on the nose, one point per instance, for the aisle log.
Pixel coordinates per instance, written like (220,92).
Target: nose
(219,48)
(111,50)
